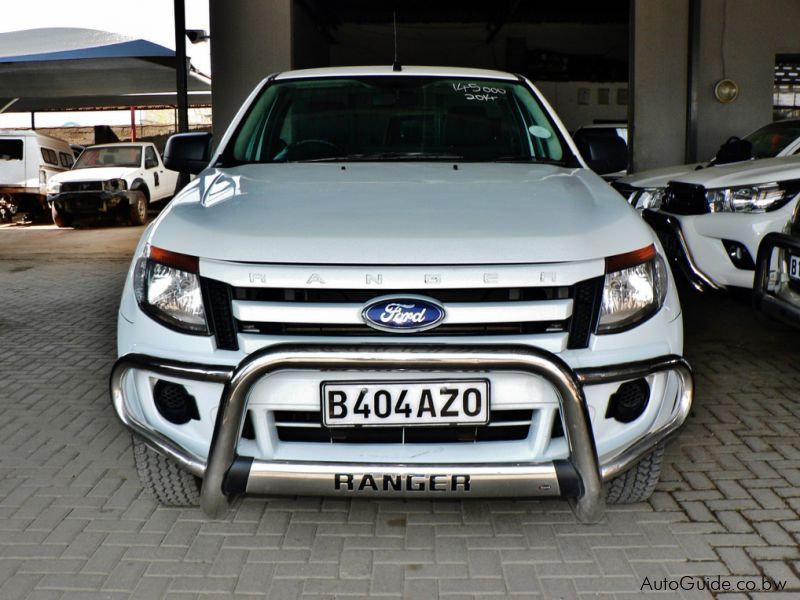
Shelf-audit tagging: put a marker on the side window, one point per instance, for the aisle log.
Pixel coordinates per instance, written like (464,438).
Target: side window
(66,159)
(150,160)
(10,149)
(49,156)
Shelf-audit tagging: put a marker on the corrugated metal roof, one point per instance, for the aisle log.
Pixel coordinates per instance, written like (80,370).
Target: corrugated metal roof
(70,68)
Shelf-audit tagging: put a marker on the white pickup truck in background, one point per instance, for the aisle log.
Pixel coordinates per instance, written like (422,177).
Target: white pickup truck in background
(111,181)
(28,160)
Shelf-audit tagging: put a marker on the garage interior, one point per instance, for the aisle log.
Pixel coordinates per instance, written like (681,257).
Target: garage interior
(653,64)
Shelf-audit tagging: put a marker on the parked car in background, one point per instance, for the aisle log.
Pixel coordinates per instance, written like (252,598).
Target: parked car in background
(781,138)
(402,283)
(711,221)
(28,160)
(111,181)
(776,290)
(604,147)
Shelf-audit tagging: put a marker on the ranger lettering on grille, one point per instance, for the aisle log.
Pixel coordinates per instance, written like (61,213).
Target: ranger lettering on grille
(398,483)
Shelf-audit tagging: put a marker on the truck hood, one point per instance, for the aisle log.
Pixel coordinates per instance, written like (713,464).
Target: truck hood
(764,170)
(399,214)
(92,174)
(655,178)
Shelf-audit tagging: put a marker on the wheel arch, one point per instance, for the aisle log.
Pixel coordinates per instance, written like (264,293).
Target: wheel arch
(139,184)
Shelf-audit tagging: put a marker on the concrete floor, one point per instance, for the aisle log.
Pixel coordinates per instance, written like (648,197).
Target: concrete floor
(75,524)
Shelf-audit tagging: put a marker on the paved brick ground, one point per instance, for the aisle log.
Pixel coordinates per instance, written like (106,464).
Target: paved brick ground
(74,523)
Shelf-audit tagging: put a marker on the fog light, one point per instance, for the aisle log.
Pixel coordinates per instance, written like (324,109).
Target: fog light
(739,255)
(174,403)
(629,401)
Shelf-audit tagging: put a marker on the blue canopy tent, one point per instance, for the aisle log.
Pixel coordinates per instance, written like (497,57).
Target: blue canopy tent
(71,69)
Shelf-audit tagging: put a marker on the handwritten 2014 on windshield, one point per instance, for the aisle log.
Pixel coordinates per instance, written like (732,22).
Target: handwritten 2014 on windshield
(481,93)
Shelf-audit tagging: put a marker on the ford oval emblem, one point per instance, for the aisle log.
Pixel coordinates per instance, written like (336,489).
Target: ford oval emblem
(403,314)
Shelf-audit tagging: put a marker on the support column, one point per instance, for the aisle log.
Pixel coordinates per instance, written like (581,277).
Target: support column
(182,66)
(659,83)
(250,39)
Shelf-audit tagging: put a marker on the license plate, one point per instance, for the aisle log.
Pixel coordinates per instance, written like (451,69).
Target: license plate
(794,267)
(384,403)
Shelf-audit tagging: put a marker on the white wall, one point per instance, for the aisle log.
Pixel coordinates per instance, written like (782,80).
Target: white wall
(565,95)
(755,31)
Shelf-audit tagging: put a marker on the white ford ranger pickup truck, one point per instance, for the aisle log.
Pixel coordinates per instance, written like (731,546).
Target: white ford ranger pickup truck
(402,284)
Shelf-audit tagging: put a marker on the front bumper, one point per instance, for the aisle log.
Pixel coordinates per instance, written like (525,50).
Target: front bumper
(785,304)
(92,204)
(579,478)
(668,229)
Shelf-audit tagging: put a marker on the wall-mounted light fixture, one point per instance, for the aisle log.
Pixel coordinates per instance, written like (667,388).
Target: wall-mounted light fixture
(197,36)
(726,91)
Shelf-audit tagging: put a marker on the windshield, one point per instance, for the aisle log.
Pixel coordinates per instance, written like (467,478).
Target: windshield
(111,156)
(396,118)
(770,140)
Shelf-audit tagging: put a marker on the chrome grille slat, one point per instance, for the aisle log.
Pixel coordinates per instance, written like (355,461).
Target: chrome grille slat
(458,313)
(296,424)
(306,427)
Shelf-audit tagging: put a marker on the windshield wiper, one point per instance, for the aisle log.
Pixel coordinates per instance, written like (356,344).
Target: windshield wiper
(387,156)
(530,159)
(515,158)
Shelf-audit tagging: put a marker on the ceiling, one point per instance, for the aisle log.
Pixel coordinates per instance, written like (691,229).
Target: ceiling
(336,12)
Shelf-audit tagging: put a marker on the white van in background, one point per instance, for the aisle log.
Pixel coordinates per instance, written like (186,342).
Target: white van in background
(27,160)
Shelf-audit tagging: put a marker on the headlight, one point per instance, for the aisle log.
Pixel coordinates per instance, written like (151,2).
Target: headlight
(752,199)
(167,288)
(647,198)
(53,187)
(114,185)
(634,290)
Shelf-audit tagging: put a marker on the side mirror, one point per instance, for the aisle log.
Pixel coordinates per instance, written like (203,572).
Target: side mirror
(188,152)
(734,150)
(603,153)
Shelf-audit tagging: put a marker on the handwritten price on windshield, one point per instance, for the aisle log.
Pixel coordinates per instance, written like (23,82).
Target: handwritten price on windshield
(473,91)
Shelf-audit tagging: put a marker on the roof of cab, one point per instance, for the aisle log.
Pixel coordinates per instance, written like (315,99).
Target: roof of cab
(29,133)
(119,144)
(407,70)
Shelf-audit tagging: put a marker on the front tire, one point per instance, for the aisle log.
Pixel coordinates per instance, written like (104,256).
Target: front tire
(60,219)
(637,483)
(138,208)
(163,478)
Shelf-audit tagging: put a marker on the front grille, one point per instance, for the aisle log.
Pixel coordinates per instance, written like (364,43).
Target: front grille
(585,311)
(685,199)
(217,297)
(571,311)
(82,186)
(306,426)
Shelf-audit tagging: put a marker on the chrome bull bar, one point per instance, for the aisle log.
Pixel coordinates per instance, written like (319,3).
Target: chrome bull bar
(680,255)
(580,478)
